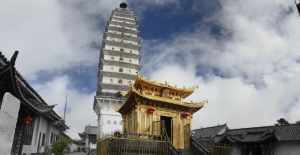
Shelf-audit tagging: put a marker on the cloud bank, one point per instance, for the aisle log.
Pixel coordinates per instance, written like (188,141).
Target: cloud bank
(247,68)
(248,71)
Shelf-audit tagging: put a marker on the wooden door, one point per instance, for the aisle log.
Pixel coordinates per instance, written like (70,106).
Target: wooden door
(187,132)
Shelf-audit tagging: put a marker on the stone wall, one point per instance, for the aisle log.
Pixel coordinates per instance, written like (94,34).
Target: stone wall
(8,120)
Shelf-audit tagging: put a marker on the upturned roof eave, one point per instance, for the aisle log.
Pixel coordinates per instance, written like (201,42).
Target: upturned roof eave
(184,91)
(19,84)
(190,106)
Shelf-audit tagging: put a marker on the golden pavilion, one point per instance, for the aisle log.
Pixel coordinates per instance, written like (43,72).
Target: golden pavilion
(154,108)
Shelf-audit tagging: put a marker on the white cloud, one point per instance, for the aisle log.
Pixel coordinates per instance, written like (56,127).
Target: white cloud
(259,48)
(79,105)
(232,101)
(156,2)
(54,36)
(35,28)
(257,57)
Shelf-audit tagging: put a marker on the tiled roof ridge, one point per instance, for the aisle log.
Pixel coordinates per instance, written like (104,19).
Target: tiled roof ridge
(91,126)
(263,127)
(211,127)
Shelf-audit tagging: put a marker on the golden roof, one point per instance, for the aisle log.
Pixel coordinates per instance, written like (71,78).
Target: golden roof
(184,92)
(190,106)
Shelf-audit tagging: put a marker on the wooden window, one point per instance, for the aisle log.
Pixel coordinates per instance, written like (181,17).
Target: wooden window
(165,93)
(43,139)
(51,138)
(28,133)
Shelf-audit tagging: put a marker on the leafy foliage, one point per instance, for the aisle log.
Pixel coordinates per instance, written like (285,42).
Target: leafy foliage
(59,147)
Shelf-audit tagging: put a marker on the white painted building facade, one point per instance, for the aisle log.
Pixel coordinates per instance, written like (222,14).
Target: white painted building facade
(27,123)
(9,108)
(44,135)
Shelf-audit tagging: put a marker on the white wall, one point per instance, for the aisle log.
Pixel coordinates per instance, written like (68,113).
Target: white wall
(132,19)
(43,126)
(111,68)
(115,81)
(8,120)
(109,121)
(40,126)
(116,48)
(117,58)
(236,151)
(279,148)
(73,147)
(287,148)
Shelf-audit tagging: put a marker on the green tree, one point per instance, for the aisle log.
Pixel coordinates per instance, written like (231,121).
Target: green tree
(59,146)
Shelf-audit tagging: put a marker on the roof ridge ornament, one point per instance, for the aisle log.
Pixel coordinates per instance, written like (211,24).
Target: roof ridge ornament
(3,57)
(297,2)
(123,5)
(14,58)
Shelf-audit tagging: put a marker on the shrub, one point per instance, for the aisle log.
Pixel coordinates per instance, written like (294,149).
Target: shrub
(59,146)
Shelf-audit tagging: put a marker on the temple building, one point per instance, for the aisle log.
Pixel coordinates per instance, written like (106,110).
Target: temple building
(28,125)
(157,117)
(282,138)
(118,66)
(89,137)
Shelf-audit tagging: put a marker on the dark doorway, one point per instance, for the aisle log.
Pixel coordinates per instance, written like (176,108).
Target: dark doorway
(166,123)
(252,150)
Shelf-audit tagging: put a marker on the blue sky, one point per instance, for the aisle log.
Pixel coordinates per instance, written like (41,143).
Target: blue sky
(243,54)
(173,19)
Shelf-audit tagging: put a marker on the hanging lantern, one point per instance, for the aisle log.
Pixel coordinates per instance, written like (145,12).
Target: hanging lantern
(28,120)
(150,110)
(185,114)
